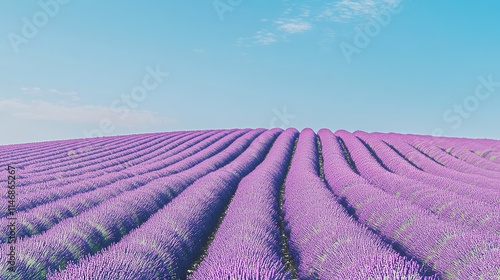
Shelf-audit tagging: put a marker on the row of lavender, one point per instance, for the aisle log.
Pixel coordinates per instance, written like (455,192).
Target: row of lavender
(460,204)
(327,243)
(171,241)
(41,218)
(478,151)
(107,158)
(55,191)
(51,177)
(416,226)
(248,243)
(99,226)
(255,243)
(379,190)
(43,155)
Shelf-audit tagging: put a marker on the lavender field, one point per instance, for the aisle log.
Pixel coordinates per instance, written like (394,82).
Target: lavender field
(252,204)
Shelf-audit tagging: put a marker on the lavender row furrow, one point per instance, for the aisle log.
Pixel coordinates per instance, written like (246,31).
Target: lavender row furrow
(326,243)
(141,151)
(34,176)
(456,147)
(454,163)
(488,152)
(30,201)
(170,241)
(61,156)
(432,167)
(72,164)
(33,161)
(40,219)
(443,204)
(59,177)
(158,152)
(24,152)
(483,161)
(71,169)
(475,145)
(451,251)
(250,231)
(107,223)
(403,167)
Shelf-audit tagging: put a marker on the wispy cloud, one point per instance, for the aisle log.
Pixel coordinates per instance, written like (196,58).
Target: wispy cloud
(47,111)
(293,20)
(281,28)
(300,18)
(265,37)
(294,26)
(261,37)
(39,92)
(346,10)
(39,104)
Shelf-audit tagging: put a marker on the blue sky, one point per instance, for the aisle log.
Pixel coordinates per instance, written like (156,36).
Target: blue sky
(421,66)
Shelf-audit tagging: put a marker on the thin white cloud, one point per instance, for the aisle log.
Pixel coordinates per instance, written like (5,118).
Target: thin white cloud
(47,111)
(32,90)
(346,10)
(39,92)
(265,37)
(294,26)
(14,104)
(72,95)
(262,38)
(306,17)
(278,30)
(284,27)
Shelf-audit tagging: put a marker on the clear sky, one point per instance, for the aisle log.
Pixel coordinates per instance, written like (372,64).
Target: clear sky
(75,69)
